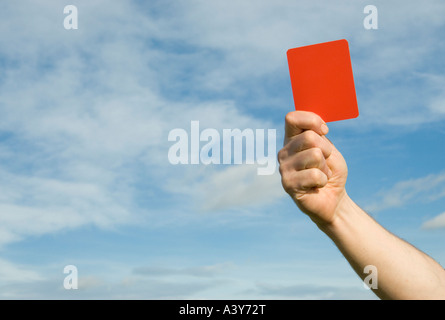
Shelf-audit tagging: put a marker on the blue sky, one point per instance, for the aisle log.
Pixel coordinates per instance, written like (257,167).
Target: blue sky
(85,115)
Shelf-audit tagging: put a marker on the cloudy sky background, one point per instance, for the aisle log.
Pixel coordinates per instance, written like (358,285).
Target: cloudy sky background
(85,115)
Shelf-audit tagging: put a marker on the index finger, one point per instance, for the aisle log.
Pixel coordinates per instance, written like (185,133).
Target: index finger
(298,121)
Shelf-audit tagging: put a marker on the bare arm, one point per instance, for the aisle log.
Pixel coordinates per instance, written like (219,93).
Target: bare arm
(314,174)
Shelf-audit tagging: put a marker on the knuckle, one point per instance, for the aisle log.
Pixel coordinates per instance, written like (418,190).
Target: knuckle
(317,155)
(310,138)
(286,170)
(289,118)
(282,155)
(315,176)
(314,121)
(312,175)
(329,149)
(281,169)
(287,184)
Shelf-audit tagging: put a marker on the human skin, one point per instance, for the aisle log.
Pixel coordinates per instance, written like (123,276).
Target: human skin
(314,174)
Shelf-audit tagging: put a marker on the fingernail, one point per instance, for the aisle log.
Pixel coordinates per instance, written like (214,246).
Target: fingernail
(324,128)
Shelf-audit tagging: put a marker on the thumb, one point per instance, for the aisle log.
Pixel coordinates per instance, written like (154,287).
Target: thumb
(298,121)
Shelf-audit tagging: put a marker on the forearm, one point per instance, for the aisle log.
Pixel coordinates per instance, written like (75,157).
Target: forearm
(404,272)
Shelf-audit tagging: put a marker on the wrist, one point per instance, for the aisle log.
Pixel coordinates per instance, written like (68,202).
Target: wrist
(345,207)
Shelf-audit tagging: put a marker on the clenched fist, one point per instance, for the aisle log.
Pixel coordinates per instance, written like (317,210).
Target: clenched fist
(313,171)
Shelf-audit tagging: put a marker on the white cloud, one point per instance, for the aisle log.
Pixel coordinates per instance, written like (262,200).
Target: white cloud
(196,271)
(10,272)
(37,206)
(238,186)
(424,189)
(313,292)
(437,87)
(437,105)
(436,222)
(18,282)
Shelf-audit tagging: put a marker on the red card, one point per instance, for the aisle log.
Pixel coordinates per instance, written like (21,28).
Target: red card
(322,80)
